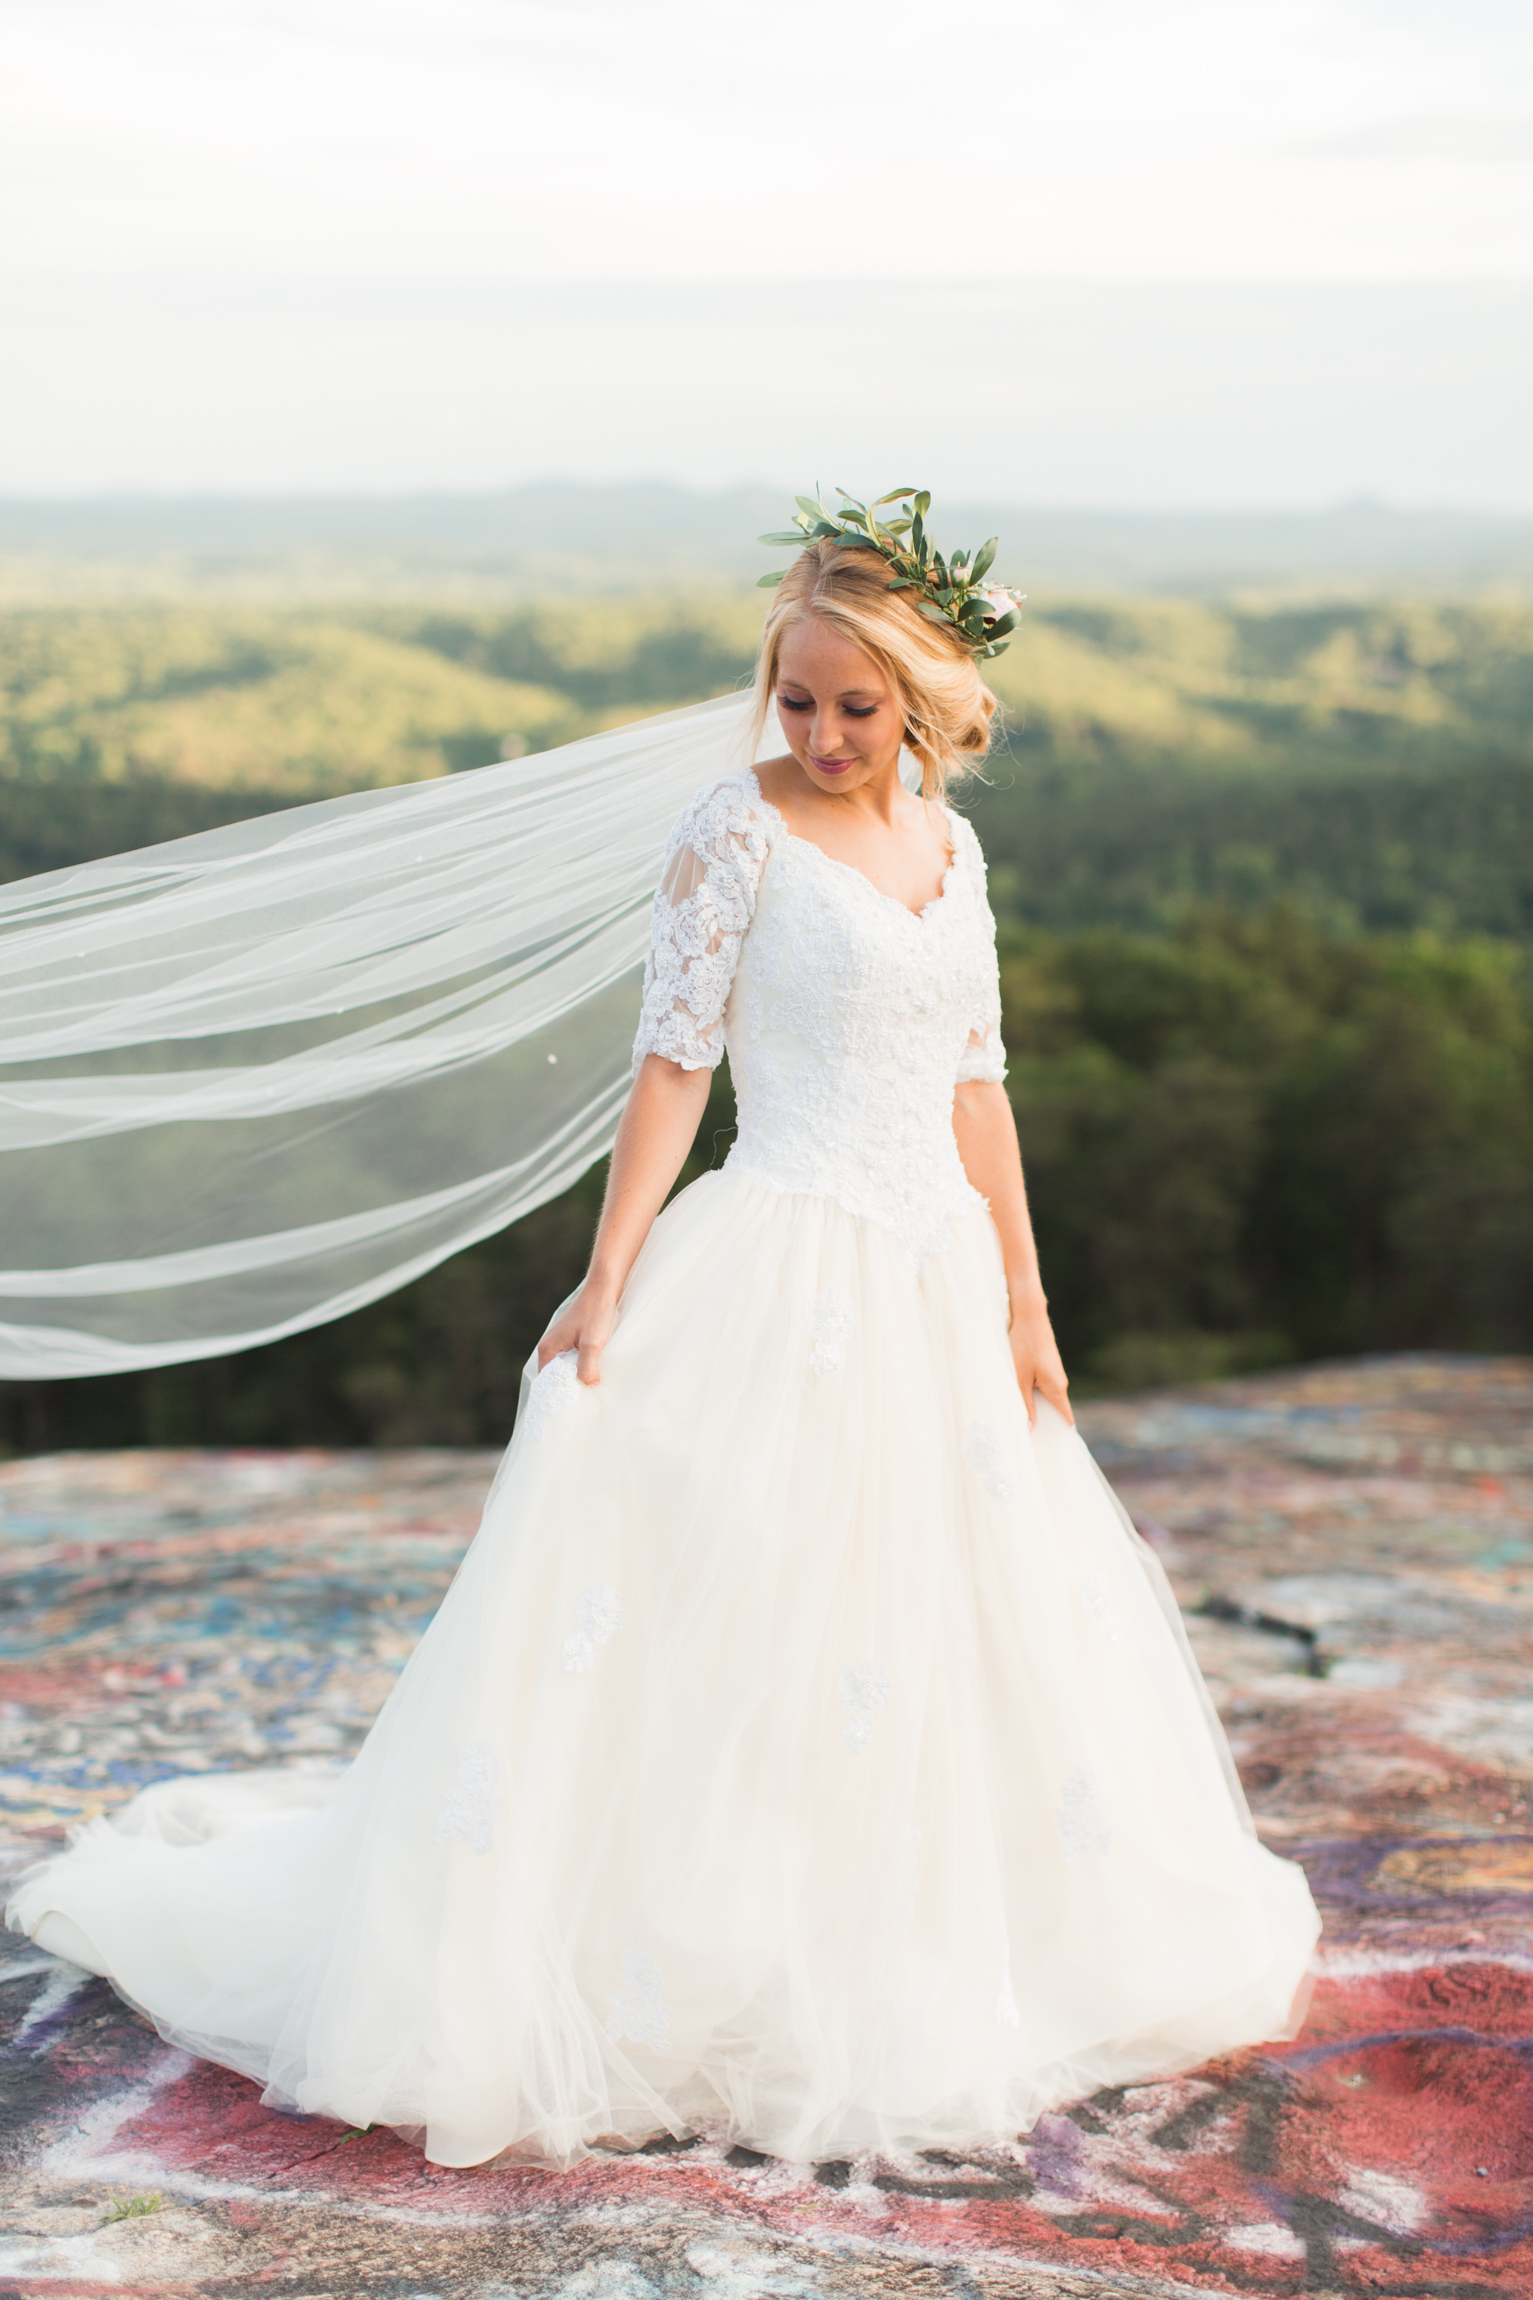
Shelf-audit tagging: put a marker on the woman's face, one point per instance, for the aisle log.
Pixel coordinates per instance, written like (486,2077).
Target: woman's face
(843,721)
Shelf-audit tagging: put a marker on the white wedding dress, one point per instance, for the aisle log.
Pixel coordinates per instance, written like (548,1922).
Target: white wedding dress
(806,1752)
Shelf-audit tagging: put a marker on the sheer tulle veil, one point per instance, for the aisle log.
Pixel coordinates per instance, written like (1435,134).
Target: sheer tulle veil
(254,1079)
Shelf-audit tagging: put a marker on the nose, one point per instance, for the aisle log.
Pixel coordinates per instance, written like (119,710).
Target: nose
(825,737)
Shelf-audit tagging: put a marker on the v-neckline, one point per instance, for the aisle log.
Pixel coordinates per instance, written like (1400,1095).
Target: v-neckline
(917,916)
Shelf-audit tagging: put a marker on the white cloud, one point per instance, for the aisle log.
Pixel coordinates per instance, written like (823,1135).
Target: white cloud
(718,138)
(1475,139)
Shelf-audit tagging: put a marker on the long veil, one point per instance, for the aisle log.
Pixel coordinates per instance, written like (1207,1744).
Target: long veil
(253,1079)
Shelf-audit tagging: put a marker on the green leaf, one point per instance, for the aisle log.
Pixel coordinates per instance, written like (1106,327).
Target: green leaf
(897,527)
(1003,624)
(788,535)
(808,506)
(895,495)
(923,505)
(985,559)
(770,582)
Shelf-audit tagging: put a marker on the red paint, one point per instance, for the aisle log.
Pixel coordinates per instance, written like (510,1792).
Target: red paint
(1402,2082)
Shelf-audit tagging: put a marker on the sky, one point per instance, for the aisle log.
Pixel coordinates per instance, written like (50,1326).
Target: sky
(1159,252)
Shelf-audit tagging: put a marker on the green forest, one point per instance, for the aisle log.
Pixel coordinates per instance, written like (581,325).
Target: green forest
(1264,875)
(1371,760)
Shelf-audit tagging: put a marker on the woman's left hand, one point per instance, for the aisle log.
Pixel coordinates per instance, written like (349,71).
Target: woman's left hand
(986,1134)
(1035,1354)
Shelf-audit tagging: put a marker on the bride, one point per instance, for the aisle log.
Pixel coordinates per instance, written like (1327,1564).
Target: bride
(808,1751)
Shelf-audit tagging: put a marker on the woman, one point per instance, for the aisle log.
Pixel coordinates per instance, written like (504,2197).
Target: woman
(808,1750)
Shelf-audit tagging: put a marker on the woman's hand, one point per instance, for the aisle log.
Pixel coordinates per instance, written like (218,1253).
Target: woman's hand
(1035,1354)
(586,1326)
(986,1134)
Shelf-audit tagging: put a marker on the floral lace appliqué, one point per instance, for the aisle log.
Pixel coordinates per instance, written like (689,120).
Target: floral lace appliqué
(1097,1599)
(831,1319)
(1082,1816)
(469,1813)
(549,1393)
(639,2011)
(985,1451)
(865,1689)
(600,1616)
(702,909)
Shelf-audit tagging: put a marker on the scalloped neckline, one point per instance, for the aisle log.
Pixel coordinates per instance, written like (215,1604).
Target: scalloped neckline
(918,917)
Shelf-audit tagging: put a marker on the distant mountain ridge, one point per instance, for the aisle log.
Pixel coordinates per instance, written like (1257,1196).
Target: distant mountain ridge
(538,538)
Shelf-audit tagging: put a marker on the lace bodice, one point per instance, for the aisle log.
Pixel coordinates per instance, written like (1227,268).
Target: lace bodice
(847,1017)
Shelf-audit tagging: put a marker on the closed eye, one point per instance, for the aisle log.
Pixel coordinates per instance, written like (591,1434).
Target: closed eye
(804,703)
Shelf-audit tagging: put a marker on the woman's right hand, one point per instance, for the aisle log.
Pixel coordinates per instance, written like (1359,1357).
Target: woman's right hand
(653,1137)
(586,1327)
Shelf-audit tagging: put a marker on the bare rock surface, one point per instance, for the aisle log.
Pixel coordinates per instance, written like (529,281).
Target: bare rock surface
(1353,1548)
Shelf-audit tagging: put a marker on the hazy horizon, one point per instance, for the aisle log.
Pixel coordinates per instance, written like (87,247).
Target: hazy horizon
(573,536)
(1179,396)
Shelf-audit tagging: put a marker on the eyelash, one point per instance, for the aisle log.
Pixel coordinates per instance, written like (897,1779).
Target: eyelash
(789,703)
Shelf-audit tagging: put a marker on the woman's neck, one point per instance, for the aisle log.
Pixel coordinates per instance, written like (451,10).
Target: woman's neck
(882,800)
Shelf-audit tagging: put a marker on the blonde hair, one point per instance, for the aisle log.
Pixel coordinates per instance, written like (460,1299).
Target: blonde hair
(948,708)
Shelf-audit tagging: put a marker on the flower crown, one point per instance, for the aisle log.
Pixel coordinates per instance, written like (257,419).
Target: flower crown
(983,614)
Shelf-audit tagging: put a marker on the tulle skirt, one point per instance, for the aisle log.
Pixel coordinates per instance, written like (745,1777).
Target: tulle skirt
(806,1752)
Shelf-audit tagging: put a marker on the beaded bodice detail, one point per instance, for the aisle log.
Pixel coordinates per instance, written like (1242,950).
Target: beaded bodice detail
(847,1017)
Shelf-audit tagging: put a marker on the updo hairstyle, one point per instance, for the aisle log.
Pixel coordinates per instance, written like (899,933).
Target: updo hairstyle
(948,708)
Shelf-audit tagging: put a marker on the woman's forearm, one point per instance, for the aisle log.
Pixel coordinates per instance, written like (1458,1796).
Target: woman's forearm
(992,1159)
(655,1133)
(657,1129)
(987,1143)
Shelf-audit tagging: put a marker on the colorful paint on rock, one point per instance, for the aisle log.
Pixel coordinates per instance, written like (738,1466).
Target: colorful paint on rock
(1354,1548)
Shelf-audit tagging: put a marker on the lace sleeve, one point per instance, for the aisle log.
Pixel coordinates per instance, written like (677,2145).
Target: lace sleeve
(984,1058)
(703,906)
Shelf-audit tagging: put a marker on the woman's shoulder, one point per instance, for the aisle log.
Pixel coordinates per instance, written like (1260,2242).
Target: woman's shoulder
(965,839)
(726,819)
(730,804)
